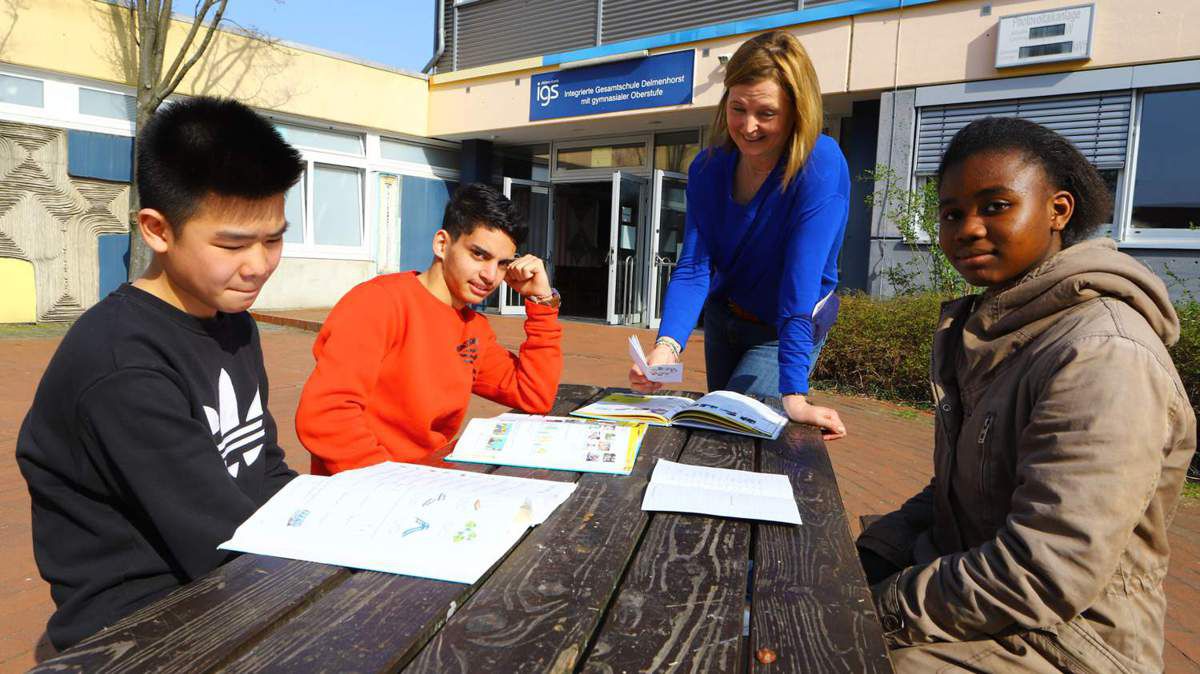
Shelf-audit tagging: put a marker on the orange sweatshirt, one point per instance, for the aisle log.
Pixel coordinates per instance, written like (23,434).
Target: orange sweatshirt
(396,368)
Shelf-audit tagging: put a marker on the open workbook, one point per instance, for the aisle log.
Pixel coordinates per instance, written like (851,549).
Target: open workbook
(554,443)
(400,518)
(718,411)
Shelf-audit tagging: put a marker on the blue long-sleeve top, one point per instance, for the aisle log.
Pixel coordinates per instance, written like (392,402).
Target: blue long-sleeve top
(774,257)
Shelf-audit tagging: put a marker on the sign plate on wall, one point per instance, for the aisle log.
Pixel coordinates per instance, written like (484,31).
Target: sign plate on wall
(647,82)
(1043,37)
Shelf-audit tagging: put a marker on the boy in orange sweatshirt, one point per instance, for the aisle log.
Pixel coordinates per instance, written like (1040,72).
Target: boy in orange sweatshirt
(400,355)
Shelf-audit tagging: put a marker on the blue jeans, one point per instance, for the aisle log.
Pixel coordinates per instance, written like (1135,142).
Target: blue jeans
(740,355)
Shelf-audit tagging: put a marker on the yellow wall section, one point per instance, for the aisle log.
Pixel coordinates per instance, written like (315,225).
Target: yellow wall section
(89,38)
(18,302)
(951,42)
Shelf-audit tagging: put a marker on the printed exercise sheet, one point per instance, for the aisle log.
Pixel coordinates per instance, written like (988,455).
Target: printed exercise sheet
(678,487)
(400,518)
(555,443)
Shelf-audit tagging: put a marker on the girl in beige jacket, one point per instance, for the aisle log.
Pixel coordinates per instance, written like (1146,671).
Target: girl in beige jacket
(1063,432)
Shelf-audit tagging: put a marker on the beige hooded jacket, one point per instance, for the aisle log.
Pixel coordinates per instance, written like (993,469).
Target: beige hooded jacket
(1063,435)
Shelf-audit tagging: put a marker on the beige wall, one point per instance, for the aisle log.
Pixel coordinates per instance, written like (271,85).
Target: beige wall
(494,102)
(947,41)
(89,38)
(305,282)
(951,41)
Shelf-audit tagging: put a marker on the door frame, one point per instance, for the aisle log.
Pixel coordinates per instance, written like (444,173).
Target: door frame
(510,303)
(654,233)
(613,257)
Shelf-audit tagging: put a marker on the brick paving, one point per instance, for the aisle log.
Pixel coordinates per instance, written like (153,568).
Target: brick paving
(885,459)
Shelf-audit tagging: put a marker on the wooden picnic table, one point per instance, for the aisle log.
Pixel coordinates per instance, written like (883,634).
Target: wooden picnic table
(601,586)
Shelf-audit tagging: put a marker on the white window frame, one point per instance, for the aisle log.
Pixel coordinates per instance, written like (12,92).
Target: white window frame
(1149,238)
(60,103)
(309,248)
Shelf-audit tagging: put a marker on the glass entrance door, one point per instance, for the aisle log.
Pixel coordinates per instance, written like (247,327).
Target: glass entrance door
(668,212)
(532,198)
(627,250)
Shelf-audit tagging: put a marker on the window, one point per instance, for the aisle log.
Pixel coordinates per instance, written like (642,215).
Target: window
(418,154)
(322,139)
(625,155)
(293,210)
(21,91)
(1165,194)
(674,151)
(325,209)
(106,104)
(337,206)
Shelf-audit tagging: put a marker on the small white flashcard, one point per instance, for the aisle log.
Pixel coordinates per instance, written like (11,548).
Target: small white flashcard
(664,374)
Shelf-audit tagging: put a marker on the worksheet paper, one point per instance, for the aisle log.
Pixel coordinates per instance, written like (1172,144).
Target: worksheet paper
(678,487)
(400,518)
(668,373)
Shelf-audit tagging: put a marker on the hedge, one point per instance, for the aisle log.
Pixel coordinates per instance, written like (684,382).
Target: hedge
(881,347)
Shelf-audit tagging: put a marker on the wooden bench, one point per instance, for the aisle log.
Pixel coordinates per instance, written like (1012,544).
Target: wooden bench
(599,587)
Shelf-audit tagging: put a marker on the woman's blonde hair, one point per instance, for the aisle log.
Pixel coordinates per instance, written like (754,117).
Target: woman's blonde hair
(779,57)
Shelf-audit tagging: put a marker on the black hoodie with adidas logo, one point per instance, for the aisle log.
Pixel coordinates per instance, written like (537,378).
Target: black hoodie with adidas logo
(149,441)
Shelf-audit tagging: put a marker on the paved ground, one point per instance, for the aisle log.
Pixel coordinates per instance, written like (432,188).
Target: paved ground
(885,459)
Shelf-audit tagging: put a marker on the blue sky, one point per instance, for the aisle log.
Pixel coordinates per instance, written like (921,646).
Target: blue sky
(398,33)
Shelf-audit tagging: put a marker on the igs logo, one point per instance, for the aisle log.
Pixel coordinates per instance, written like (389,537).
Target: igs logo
(546,92)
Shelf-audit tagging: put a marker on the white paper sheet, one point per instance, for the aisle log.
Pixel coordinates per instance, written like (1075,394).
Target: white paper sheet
(678,487)
(667,373)
(400,518)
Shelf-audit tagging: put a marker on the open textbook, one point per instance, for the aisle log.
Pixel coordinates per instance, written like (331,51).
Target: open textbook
(400,518)
(556,443)
(678,487)
(718,411)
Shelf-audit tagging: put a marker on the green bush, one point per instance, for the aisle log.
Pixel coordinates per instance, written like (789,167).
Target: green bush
(880,347)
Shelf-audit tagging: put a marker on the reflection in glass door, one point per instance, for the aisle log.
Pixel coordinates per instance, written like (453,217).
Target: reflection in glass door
(668,212)
(532,198)
(626,250)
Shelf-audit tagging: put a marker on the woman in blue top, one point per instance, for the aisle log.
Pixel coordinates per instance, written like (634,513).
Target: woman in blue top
(766,213)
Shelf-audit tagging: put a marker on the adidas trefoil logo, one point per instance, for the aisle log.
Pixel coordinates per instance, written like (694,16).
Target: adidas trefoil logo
(233,435)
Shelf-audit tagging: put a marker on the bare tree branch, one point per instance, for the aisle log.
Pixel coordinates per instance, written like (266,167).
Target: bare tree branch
(208,36)
(197,19)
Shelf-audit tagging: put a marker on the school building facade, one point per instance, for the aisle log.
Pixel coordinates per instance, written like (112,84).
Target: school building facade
(587,113)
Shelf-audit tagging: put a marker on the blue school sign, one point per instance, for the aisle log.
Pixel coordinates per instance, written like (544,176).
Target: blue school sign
(648,82)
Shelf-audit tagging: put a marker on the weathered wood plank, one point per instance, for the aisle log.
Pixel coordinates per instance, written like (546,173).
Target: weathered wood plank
(377,621)
(374,622)
(195,627)
(539,609)
(810,602)
(680,607)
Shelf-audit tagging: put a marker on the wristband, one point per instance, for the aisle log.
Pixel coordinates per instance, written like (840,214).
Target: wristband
(670,344)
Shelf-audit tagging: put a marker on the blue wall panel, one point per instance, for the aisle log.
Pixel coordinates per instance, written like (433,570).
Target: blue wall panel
(99,155)
(114,261)
(422,204)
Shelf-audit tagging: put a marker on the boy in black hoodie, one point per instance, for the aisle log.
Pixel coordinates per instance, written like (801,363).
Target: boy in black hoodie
(149,440)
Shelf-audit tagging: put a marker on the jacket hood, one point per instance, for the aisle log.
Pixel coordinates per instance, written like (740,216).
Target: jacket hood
(1008,318)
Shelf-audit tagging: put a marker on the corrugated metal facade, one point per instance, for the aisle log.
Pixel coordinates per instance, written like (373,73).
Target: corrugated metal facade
(627,19)
(1098,124)
(493,31)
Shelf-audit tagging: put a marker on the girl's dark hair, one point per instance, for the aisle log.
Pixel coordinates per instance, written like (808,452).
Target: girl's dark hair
(479,205)
(1062,163)
(206,145)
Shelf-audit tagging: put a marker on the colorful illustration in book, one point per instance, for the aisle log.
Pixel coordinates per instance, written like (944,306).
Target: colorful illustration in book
(467,533)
